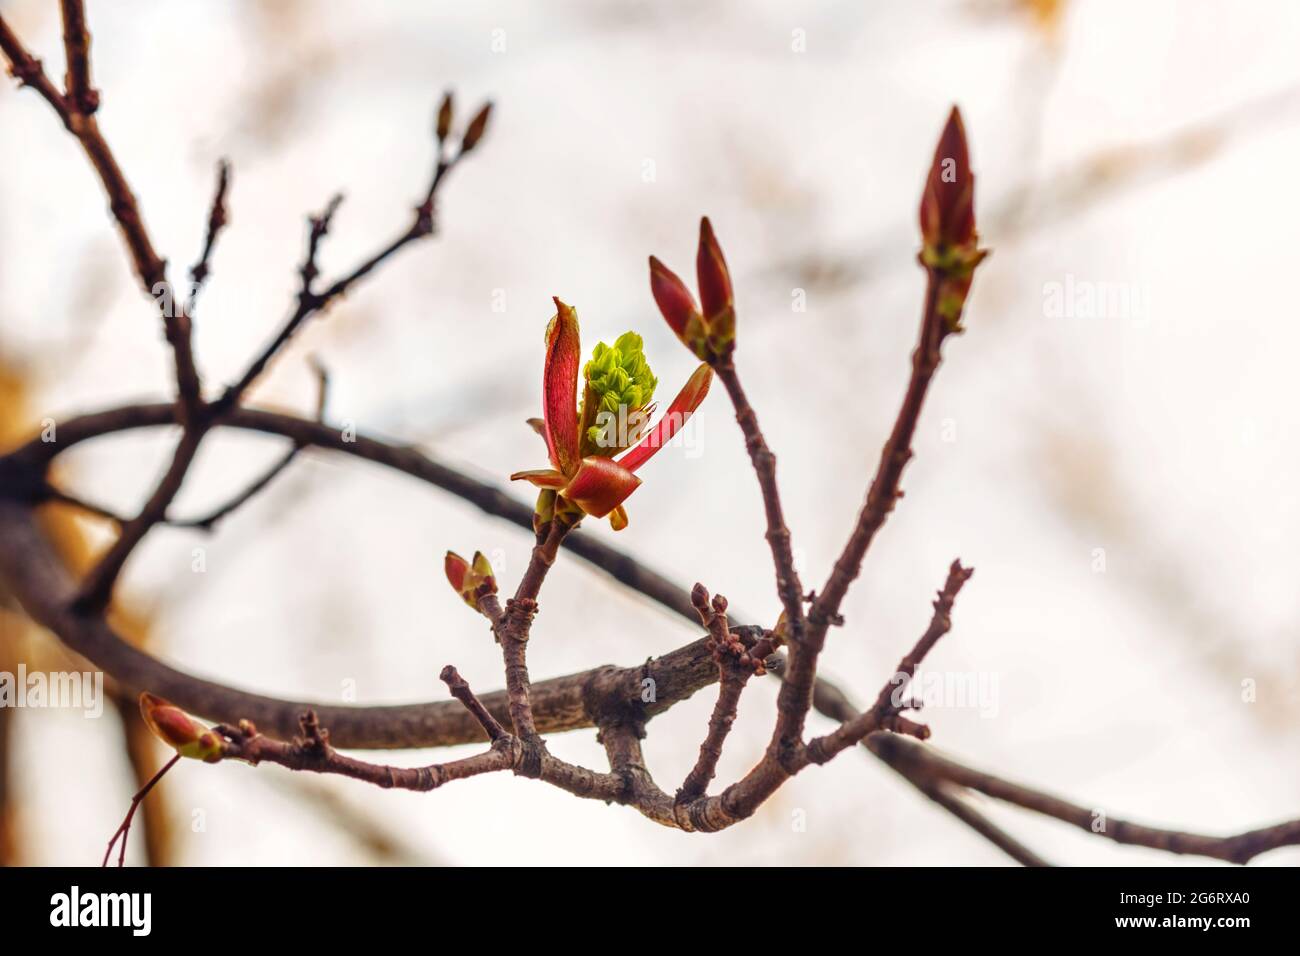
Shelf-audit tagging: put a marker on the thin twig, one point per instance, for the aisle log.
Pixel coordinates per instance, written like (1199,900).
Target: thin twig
(28,71)
(97,588)
(311,302)
(884,490)
(312,751)
(141,748)
(736,665)
(218,216)
(149,266)
(209,522)
(944,796)
(76,43)
(1237,848)
(884,715)
(764,461)
(461,691)
(512,631)
(124,828)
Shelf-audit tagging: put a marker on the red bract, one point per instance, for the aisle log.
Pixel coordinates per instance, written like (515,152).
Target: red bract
(595,484)
(710,330)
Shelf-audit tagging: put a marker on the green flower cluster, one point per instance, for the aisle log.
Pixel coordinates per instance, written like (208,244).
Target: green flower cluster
(618,376)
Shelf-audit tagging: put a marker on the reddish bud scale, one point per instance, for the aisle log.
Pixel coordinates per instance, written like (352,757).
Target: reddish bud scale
(477,127)
(950,250)
(671,295)
(711,273)
(708,330)
(948,203)
(471,581)
(178,730)
(444,117)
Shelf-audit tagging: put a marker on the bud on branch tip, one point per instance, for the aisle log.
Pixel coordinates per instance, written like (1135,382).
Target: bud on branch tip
(950,243)
(710,329)
(471,580)
(445,114)
(477,127)
(180,731)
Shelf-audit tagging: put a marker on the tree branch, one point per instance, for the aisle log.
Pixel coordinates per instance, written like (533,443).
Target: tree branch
(884,490)
(76,110)
(149,266)
(218,216)
(737,663)
(311,749)
(124,829)
(764,461)
(97,589)
(76,43)
(676,676)
(944,796)
(1239,848)
(311,302)
(884,714)
(28,71)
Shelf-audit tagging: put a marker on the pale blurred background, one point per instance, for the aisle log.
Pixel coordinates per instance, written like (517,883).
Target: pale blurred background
(1122,479)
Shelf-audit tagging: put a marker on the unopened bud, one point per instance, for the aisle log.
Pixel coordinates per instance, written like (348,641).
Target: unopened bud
(471,581)
(712,274)
(948,203)
(444,116)
(709,330)
(180,731)
(950,245)
(673,298)
(477,126)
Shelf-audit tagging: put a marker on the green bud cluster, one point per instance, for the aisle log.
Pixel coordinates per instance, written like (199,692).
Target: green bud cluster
(619,376)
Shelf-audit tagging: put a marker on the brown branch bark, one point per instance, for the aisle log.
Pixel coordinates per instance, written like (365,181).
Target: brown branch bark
(512,629)
(97,589)
(884,490)
(951,800)
(795,696)
(737,663)
(76,43)
(311,302)
(28,71)
(764,461)
(312,750)
(884,714)
(218,216)
(1238,848)
(150,268)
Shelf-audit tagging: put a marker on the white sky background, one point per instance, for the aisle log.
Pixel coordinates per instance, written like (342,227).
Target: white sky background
(1164,436)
